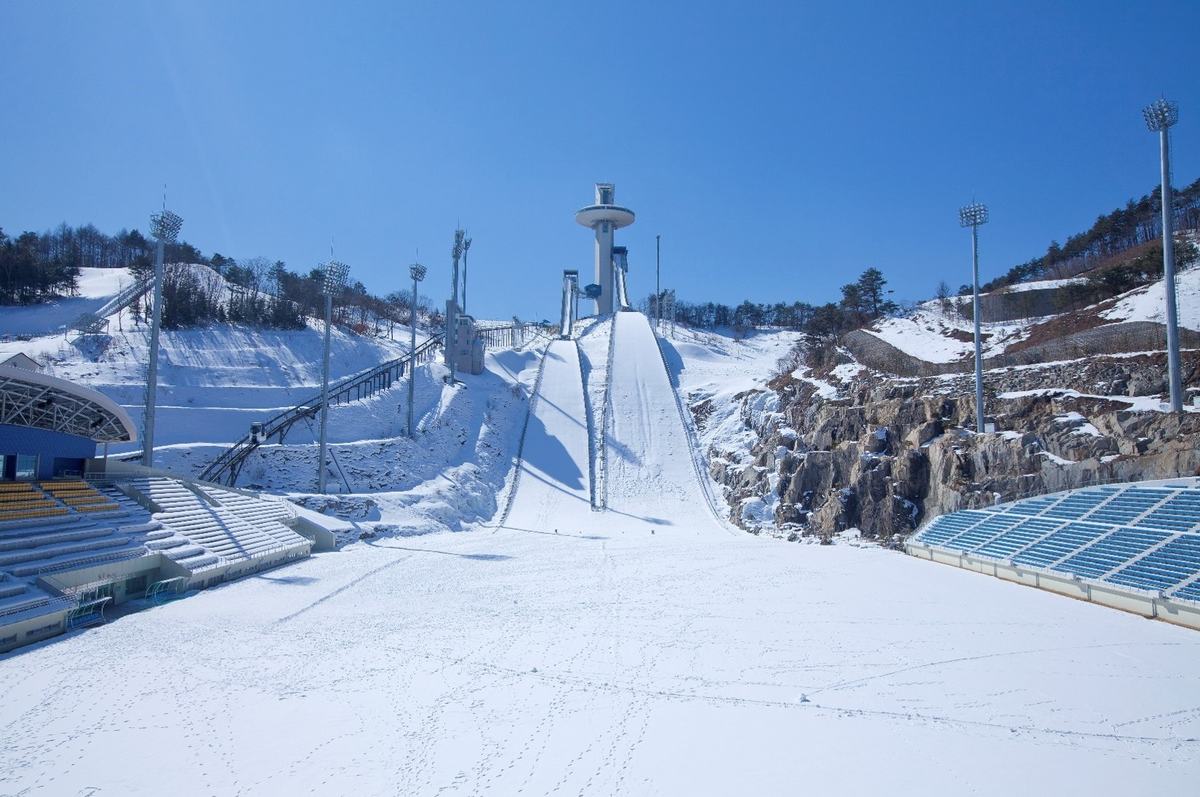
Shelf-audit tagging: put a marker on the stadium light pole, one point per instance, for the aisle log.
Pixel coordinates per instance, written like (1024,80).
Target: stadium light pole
(466,248)
(456,252)
(972,216)
(165,227)
(417,272)
(331,283)
(1160,115)
(657,281)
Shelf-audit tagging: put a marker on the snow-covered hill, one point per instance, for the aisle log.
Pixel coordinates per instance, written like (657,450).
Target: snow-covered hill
(628,652)
(213,381)
(96,286)
(937,332)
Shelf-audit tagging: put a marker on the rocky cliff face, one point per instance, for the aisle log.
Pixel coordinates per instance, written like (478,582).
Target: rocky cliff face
(884,454)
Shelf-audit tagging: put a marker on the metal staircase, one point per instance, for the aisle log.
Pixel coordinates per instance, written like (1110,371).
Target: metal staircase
(226,467)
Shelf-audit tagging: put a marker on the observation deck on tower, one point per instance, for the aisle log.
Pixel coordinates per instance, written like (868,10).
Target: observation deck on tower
(604,217)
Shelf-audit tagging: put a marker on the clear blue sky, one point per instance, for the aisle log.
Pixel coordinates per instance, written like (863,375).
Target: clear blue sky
(779,149)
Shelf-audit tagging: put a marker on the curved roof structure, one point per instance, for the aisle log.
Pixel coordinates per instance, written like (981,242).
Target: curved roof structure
(28,398)
(594,214)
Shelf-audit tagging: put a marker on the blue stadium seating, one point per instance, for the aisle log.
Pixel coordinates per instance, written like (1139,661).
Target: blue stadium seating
(1162,569)
(982,532)
(1060,544)
(1191,592)
(1021,536)
(1110,552)
(947,526)
(1076,505)
(1140,537)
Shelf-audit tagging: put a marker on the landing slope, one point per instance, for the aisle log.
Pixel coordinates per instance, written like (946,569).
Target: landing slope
(553,484)
(650,470)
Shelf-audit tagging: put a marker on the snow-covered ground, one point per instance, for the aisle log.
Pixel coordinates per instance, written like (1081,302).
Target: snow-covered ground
(1148,303)
(940,335)
(96,286)
(213,381)
(1041,285)
(718,368)
(638,651)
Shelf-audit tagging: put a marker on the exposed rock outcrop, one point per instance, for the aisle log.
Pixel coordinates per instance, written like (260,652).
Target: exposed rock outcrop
(886,453)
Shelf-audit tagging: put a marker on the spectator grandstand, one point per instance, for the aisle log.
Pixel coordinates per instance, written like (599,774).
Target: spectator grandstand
(1133,546)
(79,534)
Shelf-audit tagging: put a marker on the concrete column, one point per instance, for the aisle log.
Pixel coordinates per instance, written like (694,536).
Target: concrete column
(604,270)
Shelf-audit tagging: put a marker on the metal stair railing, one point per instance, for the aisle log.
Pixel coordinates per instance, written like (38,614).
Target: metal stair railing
(225,468)
(622,291)
(600,468)
(696,448)
(504,336)
(90,323)
(520,455)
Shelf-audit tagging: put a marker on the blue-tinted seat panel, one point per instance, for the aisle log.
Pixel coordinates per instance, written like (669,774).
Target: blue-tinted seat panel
(1111,552)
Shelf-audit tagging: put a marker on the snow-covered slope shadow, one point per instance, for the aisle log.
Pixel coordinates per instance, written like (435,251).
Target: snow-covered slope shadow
(552,487)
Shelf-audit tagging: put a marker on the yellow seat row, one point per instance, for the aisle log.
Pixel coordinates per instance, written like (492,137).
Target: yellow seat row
(32,503)
(76,500)
(28,514)
(106,507)
(12,498)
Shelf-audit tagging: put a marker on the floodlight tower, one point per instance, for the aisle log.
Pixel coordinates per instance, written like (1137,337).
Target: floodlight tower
(417,272)
(657,280)
(972,216)
(466,248)
(456,253)
(1160,116)
(604,217)
(331,283)
(165,227)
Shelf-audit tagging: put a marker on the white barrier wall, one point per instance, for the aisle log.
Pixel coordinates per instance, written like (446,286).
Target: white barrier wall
(1147,605)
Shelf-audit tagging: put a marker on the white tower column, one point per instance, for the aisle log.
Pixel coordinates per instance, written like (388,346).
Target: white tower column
(604,217)
(604,267)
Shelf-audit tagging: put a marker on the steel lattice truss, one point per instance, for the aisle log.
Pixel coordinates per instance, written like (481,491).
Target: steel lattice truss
(43,402)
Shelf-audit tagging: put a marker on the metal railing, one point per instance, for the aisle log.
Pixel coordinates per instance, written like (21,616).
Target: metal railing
(509,336)
(600,472)
(102,559)
(590,423)
(533,397)
(50,604)
(226,467)
(91,323)
(696,450)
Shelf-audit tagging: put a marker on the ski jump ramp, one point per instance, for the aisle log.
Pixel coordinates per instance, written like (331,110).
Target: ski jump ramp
(651,475)
(553,485)
(651,479)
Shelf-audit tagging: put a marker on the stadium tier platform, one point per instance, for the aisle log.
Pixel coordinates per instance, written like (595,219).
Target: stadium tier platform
(1133,546)
(217,528)
(70,548)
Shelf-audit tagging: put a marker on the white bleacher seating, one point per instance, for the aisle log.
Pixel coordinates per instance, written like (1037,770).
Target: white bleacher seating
(222,526)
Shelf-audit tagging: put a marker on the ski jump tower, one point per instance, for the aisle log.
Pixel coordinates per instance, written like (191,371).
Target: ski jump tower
(604,217)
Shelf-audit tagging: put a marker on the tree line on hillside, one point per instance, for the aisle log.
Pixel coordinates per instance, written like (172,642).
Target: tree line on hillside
(261,292)
(1136,224)
(38,267)
(25,278)
(863,301)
